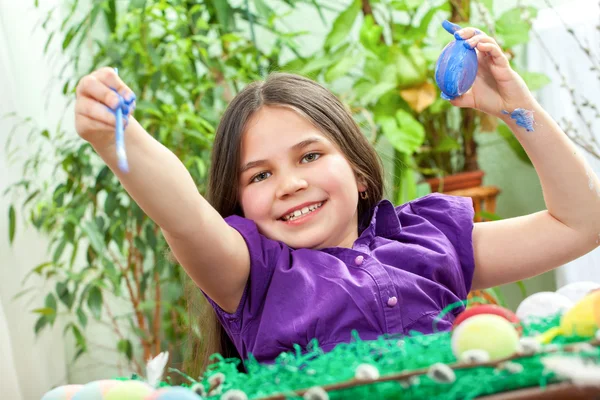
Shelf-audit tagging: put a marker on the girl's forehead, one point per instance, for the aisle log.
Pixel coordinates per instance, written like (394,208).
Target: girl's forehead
(277,128)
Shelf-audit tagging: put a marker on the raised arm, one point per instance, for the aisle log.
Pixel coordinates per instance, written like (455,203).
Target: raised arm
(213,254)
(522,247)
(519,248)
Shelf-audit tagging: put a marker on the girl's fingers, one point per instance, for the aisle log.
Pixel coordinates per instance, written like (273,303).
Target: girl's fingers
(95,110)
(491,48)
(475,40)
(92,126)
(467,33)
(110,78)
(92,87)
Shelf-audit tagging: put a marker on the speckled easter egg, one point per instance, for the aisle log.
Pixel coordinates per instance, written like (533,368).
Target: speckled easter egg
(173,393)
(62,392)
(95,390)
(129,390)
(488,309)
(543,304)
(490,333)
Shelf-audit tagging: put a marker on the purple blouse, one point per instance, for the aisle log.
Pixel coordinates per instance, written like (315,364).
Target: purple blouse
(405,267)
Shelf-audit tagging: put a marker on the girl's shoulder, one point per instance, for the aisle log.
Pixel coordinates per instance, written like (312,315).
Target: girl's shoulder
(440,208)
(437,202)
(451,215)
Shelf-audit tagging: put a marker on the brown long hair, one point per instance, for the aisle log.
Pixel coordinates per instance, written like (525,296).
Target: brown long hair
(325,111)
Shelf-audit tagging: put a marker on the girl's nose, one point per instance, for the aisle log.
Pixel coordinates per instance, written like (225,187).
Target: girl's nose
(291,185)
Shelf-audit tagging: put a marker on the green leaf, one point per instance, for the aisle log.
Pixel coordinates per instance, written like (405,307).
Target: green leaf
(94,236)
(370,34)
(40,324)
(83,319)
(512,28)
(521,286)
(50,302)
(263,9)
(224,14)
(534,80)
(58,251)
(404,132)
(316,64)
(80,340)
(150,236)
(341,68)
(411,66)
(111,203)
(377,92)
(48,311)
(406,5)
(124,346)
(496,292)
(342,25)
(64,295)
(94,302)
(506,134)
(12,224)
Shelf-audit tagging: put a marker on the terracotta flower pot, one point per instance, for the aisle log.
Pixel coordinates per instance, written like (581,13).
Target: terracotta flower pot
(462,180)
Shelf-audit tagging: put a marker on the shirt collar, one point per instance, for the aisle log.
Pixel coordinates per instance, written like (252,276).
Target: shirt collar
(384,221)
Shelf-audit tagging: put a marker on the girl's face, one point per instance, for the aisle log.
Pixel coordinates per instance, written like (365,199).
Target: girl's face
(295,184)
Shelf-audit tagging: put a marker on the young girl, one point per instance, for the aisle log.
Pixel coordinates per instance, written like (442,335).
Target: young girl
(295,241)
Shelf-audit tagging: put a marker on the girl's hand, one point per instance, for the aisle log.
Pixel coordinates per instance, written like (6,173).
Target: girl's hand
(97,99)
(497,86)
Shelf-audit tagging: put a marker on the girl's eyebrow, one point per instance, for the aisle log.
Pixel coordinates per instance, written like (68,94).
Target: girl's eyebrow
(298,146)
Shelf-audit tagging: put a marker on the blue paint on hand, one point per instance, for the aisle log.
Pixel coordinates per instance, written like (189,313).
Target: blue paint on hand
(122,112)
(456,68)
(523,118)
(450,27)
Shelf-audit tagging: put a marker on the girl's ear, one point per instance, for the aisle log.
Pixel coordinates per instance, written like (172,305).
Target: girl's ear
(361,183)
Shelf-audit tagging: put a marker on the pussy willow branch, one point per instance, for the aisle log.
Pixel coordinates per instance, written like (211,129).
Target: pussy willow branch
(588,142)
(586,50)
(573,348)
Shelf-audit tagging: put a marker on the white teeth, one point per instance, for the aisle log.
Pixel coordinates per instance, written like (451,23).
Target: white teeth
(294,215)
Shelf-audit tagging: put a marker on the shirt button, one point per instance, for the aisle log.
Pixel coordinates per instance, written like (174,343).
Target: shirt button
(392,301)
(359,260)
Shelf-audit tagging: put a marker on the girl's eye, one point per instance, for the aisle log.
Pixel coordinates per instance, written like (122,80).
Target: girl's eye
(260,177)
(310,157)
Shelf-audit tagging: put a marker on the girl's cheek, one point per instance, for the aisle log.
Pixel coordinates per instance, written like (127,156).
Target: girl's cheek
(254,202)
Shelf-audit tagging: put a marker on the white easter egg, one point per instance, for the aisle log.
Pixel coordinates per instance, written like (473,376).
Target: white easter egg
(543,304)
(577,290)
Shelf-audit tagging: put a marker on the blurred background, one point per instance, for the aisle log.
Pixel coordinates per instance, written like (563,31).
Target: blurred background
(85,289)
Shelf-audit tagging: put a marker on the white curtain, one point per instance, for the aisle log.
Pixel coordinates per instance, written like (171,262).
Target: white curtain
(582,17)
(29,366)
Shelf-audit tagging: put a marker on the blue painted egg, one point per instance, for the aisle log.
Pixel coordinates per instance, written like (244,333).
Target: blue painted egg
(456,68)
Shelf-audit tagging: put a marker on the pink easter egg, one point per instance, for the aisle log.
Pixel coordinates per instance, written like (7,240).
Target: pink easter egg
(95,390)
(65,392)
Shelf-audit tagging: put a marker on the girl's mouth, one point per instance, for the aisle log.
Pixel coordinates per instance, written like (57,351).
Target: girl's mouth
(303,213)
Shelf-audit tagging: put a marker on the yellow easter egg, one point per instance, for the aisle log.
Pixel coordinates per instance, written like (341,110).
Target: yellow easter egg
(488,332)
(582,318)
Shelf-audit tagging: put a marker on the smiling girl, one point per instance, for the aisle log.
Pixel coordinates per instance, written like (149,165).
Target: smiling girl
(294,241)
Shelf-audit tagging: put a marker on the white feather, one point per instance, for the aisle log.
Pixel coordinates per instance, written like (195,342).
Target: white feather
(155,367)
(574,369)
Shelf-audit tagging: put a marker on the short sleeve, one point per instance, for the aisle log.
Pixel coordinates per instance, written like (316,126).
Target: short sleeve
(452,216)
(264,255)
